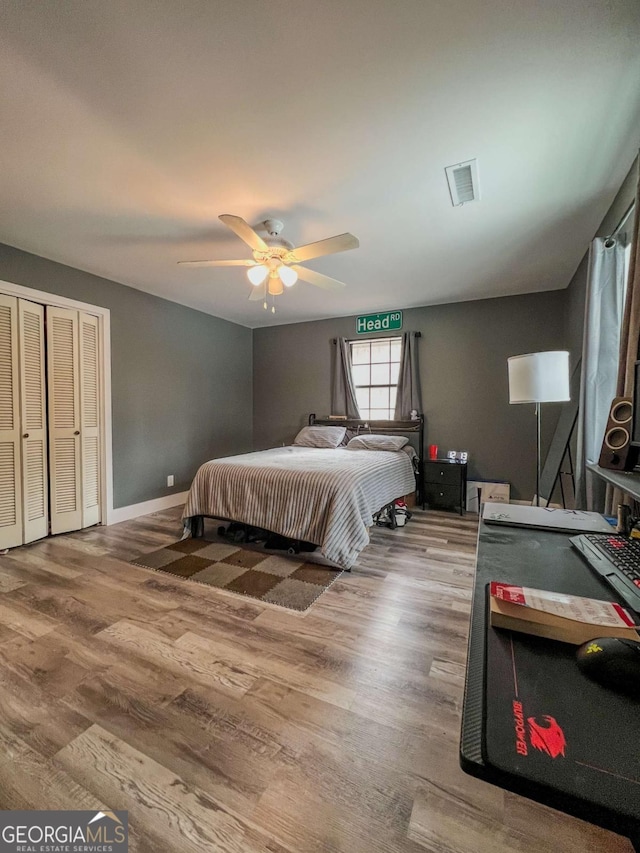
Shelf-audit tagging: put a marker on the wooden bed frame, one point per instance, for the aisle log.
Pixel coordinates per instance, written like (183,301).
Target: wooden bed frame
(412,429)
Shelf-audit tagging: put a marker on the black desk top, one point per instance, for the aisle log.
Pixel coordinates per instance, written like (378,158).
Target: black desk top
(532,722)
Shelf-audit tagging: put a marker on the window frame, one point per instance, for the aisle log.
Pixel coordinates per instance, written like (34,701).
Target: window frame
(393,387)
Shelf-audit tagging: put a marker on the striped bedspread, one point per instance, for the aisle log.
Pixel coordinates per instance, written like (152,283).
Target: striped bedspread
(323,496)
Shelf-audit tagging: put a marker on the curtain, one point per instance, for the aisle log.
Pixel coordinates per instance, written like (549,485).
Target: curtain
(408,396)
(629,336)
(600,354)
(343,392)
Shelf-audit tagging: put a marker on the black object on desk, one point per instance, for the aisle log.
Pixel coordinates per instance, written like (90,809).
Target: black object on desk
(613,662)
(617,559)
(533,723)
(445,484)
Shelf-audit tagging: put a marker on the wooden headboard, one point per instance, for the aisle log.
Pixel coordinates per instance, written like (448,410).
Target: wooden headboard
(412,429)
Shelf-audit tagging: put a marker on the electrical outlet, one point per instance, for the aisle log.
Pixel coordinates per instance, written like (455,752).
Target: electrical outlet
(170,480)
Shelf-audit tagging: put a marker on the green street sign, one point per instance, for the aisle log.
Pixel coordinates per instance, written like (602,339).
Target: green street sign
(386,322)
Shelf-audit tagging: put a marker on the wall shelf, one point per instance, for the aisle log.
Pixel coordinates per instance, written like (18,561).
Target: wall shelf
(628,481)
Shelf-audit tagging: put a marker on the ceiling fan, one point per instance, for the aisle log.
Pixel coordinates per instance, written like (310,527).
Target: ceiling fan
(276,262)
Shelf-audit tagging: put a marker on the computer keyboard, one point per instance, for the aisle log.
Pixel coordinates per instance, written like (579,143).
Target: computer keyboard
(616,559)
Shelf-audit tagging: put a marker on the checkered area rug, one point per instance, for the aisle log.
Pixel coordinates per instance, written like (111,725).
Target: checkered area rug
(283,580)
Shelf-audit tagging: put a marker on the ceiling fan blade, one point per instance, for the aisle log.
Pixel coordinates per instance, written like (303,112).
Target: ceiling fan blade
(245,263)
(330,246)
(317,278)
(244,231)
(259,292)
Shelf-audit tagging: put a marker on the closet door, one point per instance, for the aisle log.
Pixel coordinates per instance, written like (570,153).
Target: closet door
(63,376)
(10,481)
(33,420)
(89,420)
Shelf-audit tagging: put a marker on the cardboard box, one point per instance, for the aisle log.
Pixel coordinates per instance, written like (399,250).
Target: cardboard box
(481,491)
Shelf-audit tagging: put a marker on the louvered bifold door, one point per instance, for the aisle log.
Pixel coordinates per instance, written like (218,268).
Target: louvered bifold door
(89,420)
(33,420)
(10,485)
(63,378)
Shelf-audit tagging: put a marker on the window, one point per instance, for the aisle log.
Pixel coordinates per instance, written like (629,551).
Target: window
(375,369)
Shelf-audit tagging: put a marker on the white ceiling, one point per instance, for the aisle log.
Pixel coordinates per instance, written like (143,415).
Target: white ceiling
(128,127)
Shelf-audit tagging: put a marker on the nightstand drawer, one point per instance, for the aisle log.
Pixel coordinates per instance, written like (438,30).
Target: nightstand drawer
(442,472)
(437,495)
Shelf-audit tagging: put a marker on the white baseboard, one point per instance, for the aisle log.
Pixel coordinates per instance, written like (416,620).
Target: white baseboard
(532,503)
(520,503)
(125,513)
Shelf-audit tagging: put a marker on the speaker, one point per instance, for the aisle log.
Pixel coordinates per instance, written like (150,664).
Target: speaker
(617,452)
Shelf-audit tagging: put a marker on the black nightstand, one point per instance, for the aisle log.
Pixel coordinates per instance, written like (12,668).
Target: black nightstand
(445,484)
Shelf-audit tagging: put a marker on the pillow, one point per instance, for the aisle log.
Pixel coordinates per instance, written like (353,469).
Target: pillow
(378,442)
(320,436)
(348,435)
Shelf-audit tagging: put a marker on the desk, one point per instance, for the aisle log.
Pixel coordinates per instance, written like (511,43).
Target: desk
(595,775)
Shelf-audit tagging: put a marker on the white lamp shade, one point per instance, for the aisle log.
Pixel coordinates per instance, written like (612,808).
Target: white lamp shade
(257,274)
(287,276)
(539,377)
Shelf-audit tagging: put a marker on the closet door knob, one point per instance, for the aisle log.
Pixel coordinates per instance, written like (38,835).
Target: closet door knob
(26,435)
(77,432)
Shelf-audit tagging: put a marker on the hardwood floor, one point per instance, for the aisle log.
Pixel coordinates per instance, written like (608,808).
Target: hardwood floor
(223,724)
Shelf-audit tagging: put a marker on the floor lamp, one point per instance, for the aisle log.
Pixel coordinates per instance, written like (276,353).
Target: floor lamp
(539,377)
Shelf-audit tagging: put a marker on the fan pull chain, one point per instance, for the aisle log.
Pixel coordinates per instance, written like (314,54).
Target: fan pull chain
(265,305)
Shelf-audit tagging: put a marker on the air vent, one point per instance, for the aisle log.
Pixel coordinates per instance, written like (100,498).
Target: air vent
(463,182)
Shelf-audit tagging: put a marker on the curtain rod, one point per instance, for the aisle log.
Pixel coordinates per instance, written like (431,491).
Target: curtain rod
(623,221)
(417,334)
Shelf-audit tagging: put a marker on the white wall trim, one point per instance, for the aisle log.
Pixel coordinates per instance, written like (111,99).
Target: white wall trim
(125,513)
(523,503)
(104,336)
(532,502)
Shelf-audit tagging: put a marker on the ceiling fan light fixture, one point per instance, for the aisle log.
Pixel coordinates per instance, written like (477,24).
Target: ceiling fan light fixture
(276,262)
(287,276)
(257,274)
(274,287)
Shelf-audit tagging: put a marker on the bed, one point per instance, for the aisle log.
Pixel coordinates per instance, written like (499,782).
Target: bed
(326,496)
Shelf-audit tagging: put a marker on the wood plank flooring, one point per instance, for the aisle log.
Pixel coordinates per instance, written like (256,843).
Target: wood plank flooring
(223,724)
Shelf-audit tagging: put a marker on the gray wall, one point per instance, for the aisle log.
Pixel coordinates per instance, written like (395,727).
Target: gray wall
(181,379)
(463,361)
(574,311)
